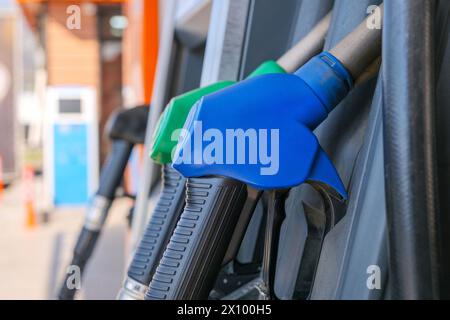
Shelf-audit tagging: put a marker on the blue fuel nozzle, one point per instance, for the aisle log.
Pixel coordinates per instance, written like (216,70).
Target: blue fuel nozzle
(260,131)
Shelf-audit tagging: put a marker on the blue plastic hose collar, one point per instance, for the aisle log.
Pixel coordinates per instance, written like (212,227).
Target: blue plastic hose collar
(328,78)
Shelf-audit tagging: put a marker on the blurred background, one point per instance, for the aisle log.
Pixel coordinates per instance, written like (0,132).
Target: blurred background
(65,66)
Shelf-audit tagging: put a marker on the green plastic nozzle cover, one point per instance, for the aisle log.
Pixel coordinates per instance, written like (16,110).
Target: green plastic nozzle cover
(166,134)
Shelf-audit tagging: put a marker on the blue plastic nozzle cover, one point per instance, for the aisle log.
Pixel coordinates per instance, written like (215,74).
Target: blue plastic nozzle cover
(328,79)
(260,131)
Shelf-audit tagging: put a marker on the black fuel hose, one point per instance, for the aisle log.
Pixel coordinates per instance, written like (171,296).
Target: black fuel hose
(409,148)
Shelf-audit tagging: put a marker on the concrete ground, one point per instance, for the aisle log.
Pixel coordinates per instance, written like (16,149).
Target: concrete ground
(32,262)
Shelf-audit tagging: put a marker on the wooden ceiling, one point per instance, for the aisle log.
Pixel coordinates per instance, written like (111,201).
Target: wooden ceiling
(31,8)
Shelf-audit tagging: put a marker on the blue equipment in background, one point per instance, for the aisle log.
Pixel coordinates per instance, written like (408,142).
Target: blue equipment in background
(71,151)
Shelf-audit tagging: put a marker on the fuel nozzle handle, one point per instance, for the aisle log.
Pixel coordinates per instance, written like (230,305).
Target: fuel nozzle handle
(97,212)
(156,235)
